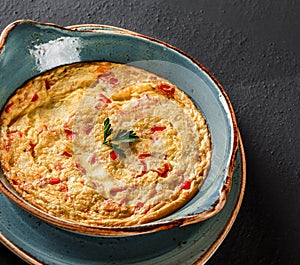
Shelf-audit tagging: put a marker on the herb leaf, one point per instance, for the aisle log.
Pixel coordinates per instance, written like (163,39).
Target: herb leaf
(123,136)
(107,130)
(118,150)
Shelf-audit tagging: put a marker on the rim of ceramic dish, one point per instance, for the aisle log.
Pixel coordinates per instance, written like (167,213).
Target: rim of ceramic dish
(143,228)
(202,260)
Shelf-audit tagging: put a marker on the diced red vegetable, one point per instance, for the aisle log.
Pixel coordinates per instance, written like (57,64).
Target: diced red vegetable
(93,159)
(15,182)
(105,75)
(145,168)
(35,97)
(104,98)
(122,201)
(163,172)
(158,129)
(113,81)
(8,107)
(54,181)
(139,205)
(109,77)
(114,191)
(167,90)
(113,155)
(143,156)
(65,153)
(88,129)
(81,168)
(32,146)
(69,134)
(185,185)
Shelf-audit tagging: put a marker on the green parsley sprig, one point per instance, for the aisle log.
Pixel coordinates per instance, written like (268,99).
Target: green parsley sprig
(122,136)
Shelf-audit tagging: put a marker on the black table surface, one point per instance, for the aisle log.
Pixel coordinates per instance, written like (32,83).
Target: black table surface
(252,48)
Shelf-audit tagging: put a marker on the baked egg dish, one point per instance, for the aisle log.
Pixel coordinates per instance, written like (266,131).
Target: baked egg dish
(104,144)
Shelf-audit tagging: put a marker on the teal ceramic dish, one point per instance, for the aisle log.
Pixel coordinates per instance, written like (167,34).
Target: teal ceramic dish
(39,243)
(29,48)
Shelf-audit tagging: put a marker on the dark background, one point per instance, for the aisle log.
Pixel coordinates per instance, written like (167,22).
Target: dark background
(252,47)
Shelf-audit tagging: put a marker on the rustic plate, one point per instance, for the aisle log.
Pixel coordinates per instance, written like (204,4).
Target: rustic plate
(29,48)
(38,243)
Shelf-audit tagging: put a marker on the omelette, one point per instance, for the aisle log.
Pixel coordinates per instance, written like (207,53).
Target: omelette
(104,144)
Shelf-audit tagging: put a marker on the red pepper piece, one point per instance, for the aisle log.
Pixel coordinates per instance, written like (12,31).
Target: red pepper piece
(144,169)
(32,146)
(163,172)
(143,156)
(69,134)
(65,153)
(158,129)
(35,97)
(105,75)
(122,201)
(88,129)
(167,90)
(113,81)
(113,155)
(104,98)
(81,168)
(54,181)
(93,159)
(185,185)
(139,205)
(114,191)
(8,107)
(15,182)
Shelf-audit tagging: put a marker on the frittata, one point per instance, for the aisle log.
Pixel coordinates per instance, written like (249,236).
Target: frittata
(104,144)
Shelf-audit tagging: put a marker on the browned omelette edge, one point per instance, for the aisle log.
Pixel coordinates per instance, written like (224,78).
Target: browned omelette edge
(139,229)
